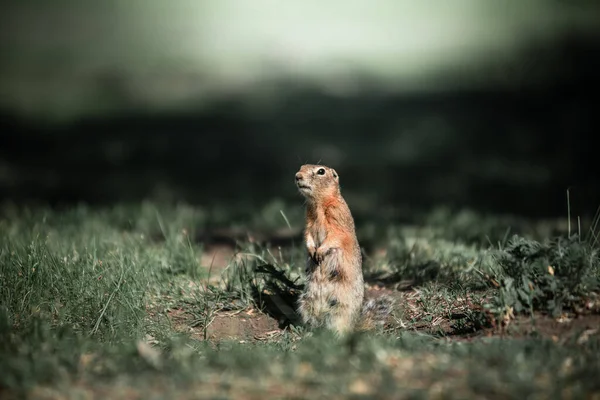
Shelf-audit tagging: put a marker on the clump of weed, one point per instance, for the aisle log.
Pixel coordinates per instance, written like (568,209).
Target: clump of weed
(98,293)
(259,278)
(552,277)
(413,260)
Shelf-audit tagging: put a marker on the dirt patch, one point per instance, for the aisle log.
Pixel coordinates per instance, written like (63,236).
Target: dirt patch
(247,325)
(560,329)
(244,326)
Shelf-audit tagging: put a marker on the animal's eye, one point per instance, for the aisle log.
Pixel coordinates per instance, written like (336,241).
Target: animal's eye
(321,171)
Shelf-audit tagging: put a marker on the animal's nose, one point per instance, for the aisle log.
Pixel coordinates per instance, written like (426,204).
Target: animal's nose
(298,176)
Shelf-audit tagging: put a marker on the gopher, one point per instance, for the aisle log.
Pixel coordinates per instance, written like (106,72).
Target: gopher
(334,293)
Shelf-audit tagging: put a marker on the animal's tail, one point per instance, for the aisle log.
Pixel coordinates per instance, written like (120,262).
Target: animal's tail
(375,312)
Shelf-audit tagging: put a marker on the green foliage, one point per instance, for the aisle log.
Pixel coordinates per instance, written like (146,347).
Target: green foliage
(88,298)
(552,276)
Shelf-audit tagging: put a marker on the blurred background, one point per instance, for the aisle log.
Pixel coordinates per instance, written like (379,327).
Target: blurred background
(490,105)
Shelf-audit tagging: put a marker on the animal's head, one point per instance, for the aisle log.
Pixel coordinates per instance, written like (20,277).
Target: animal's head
(317,182)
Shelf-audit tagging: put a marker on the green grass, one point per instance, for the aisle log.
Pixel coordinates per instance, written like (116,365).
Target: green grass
(120,301)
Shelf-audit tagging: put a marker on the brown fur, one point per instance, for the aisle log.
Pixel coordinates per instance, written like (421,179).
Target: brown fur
(335,291)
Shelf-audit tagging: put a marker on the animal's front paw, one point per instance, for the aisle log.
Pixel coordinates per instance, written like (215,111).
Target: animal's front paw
(312,252)
(322,252)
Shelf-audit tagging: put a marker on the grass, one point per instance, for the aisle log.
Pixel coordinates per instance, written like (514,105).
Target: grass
(132,300)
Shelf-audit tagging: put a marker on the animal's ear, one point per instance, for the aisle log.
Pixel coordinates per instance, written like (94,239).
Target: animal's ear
(335,174)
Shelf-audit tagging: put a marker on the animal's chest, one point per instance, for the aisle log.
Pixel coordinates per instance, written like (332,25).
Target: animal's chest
(318,230)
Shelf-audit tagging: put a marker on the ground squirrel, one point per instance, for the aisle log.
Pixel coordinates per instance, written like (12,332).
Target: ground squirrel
(334,291)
